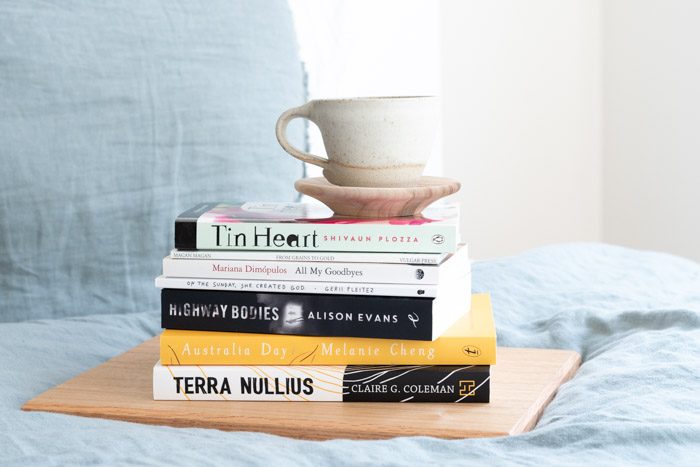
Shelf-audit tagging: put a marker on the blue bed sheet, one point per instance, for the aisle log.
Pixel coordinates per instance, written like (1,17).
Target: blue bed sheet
(634,316)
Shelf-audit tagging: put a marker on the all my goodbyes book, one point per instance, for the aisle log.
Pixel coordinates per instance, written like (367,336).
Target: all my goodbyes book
(308,227)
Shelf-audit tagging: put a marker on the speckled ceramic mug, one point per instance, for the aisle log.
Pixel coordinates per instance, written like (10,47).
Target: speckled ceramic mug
(370,141)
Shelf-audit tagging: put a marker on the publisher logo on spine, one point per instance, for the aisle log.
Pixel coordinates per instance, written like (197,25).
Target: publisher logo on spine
(471,351)
(466,387)
(438,239)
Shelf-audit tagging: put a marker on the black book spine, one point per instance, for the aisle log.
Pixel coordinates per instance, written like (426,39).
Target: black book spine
(186,226)
(301,314)
(417,384)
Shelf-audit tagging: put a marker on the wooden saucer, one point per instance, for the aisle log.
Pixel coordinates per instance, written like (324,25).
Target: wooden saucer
(378,202)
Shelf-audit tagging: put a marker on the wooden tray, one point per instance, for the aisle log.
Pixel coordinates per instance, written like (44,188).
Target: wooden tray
(522,384)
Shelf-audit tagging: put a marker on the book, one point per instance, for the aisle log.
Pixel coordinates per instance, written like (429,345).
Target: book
(311,227)
(332,288)
(310,257)
(461,384)
(469,341)
(456,265)
(414,318)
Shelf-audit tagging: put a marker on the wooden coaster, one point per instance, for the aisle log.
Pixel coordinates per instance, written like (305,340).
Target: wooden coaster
(378,202)
(522,384)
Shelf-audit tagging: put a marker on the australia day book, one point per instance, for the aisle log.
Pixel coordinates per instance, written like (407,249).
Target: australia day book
(471,340)
(468,383)
(310,227)
(414,318)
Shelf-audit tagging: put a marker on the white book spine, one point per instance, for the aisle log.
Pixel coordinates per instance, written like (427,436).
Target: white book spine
(302,271)
(332,257)
(317,384)
(380,273)
(332,288)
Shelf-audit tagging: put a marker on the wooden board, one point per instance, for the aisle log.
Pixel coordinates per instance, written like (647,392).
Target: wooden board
(378,202)
(523,382)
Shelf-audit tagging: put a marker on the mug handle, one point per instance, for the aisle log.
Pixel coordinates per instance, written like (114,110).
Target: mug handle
(281,132)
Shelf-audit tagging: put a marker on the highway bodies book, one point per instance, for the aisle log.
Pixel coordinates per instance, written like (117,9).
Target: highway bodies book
(469,341)
(469,383)
(310,227)
(413,318)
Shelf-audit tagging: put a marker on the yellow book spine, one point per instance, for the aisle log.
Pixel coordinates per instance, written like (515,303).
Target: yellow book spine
(221,348)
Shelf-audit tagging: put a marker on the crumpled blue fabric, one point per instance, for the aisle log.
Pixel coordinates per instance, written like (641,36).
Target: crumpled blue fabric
(117,116)
(633,315)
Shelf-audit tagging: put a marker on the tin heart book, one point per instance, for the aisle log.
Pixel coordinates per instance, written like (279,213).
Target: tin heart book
(310,227)
(460,384)
(469,341)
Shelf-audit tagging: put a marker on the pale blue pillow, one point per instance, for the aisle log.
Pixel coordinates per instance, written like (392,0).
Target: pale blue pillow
(117,116)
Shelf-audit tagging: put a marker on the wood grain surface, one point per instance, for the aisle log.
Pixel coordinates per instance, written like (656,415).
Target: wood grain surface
(522,384)
(378,202)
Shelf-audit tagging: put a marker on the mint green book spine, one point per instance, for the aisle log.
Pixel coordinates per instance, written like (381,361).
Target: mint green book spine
(297,227)
(327,237)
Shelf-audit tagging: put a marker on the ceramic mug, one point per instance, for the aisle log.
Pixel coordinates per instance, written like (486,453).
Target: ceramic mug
(370,141)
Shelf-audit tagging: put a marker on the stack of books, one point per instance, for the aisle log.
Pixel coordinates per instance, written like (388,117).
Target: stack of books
(286,302)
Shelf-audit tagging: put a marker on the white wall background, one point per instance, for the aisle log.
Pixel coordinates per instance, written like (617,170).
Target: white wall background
(565,120)
(369,48)
(652,125)
(522,129)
